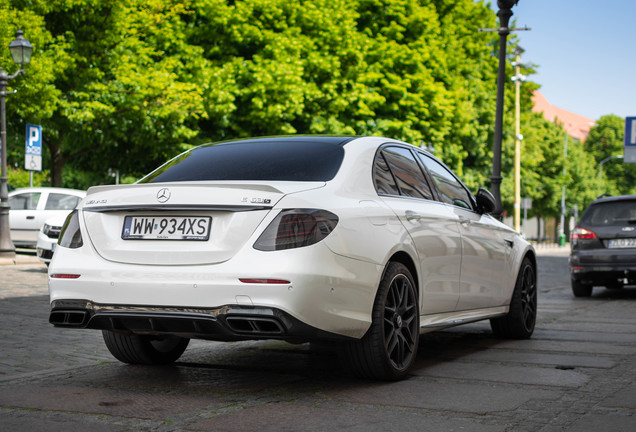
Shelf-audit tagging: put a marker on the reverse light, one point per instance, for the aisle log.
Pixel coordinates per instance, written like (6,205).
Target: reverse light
(579,233)
(294,228)
(71,236)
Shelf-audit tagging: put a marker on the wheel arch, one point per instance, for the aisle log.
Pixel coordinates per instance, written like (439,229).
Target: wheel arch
(405,259)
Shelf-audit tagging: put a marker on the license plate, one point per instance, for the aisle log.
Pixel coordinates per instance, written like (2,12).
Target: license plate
(622,243)
(166,228)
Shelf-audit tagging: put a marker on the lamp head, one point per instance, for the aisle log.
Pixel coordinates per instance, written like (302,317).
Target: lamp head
(506,4)
(21,49)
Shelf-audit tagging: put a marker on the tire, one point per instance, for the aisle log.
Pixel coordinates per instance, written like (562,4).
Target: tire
(521,318)
(144,349)
(388,349)
(580,290)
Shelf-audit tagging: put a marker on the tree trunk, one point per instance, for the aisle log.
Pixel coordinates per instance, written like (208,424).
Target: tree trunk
(57,163)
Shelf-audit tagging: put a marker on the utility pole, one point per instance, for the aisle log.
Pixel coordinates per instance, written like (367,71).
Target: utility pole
(518,79)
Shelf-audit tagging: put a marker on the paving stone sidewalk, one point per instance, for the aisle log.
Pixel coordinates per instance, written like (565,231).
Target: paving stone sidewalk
(578,373)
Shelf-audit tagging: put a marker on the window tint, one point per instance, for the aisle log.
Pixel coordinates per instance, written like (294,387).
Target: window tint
(384,182)
(25,201)
(273,160)
(58,201)
(610,213)
(407,173)
(450,189)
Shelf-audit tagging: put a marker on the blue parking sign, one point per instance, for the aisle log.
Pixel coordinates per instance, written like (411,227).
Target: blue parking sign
(33,149)
(630,131)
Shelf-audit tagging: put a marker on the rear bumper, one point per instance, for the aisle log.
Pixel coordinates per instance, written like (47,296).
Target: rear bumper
(603,266)
(224,323)
(325,291)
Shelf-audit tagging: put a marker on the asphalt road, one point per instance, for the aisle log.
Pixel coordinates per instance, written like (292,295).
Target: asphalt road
(578,373)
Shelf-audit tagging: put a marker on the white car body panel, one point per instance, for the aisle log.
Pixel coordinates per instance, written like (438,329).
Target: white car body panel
(465,264)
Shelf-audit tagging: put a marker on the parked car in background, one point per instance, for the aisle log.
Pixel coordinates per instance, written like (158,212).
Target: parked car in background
(603,245)
(366,241)
(47,237)
(31,207)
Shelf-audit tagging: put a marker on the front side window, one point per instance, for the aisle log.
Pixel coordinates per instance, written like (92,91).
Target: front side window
(408,176)
(450,189)
(25,201)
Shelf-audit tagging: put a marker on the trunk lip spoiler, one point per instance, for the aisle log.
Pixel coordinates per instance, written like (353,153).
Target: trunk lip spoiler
(174,207)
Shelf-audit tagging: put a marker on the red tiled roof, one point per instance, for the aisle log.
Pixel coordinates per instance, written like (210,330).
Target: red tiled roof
(576,125)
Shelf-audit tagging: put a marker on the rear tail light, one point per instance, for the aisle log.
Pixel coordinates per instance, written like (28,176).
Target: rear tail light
(296,228)
(579,233)
(71,236)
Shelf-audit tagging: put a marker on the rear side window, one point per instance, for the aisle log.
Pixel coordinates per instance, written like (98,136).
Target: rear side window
(253,160)
(58,201)
(406,172)
(610,213)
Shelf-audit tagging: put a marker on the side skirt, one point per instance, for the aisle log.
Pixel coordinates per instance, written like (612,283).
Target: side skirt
(429,323)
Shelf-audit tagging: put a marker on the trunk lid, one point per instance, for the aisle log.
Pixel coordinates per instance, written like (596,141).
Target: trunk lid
(232,211)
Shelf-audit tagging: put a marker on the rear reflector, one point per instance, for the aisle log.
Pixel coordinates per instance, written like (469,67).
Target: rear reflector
(64,276)
(265,281)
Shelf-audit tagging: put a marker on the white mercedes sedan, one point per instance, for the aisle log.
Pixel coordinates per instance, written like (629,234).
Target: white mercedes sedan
(363,241)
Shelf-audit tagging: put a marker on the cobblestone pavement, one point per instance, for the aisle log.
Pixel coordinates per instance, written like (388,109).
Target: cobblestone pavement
(578,373)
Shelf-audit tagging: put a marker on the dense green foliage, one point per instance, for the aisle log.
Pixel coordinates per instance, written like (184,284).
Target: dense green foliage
(126,84)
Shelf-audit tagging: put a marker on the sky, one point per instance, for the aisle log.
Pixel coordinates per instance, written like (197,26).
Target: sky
(585,52)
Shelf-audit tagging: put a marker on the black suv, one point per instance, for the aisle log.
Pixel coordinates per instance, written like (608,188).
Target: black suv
(604,245)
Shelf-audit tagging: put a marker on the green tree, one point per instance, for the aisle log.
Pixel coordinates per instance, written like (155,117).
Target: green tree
(606,139)
(114,86)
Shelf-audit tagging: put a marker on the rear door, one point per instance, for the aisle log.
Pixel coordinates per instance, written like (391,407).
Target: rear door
(432,225)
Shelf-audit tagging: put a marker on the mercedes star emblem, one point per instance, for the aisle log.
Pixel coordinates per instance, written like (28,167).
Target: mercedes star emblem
(163,195)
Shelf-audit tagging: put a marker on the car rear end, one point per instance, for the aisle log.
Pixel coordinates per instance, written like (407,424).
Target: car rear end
(604,245)
(223,258)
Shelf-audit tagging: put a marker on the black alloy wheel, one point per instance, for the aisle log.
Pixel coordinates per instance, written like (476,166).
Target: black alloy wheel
(389,348)
(521,318)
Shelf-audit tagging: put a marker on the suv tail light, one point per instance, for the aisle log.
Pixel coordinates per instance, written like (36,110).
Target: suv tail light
(294,228)
(579,233)
(71,236)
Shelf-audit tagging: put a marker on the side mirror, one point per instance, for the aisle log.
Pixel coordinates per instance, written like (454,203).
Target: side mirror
(486,202)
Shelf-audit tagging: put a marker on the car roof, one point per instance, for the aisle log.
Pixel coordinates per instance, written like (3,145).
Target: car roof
(614,198)
(329,139)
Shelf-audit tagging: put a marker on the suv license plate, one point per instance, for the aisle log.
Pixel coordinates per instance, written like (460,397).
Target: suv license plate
(622,243)
(166,228)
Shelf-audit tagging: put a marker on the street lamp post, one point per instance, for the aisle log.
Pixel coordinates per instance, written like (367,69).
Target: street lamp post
(21,51)
(504,14)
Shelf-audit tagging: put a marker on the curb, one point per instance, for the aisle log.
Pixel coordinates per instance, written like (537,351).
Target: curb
(20,260)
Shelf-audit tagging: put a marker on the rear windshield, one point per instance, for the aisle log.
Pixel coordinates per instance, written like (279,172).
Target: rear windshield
(268,160)
(610,213)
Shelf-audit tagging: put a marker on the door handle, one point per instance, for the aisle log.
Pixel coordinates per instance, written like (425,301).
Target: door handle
(464,221)
(411,216)
(509,242)
(30,217)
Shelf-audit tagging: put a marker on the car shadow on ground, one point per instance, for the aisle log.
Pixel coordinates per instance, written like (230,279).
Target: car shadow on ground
(625,293)
(235,364)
